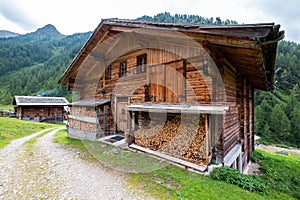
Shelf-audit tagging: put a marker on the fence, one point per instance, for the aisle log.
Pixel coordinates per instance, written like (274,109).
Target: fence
(6,113)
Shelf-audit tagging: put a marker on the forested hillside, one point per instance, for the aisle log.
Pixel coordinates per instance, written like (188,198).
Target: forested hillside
(277,113)
(31,64)
(183,18)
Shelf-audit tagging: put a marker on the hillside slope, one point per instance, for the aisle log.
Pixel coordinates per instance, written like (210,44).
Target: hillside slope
(7,34)
(31,64)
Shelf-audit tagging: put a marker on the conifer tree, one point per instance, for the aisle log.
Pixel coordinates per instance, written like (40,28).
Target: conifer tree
(280,124)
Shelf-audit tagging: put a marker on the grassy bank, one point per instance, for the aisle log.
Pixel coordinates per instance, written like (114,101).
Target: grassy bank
(11,128)
(7,107)
(281,172)
(160,179)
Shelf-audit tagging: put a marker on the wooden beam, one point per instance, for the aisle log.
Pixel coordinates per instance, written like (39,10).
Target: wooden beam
(92,120)
(172,159)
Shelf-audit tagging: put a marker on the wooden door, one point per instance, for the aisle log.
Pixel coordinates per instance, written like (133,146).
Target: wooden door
(121,113)
(175,82)
(168,82)
(157,78)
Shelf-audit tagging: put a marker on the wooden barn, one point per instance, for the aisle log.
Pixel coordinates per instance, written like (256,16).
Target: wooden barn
(180,91)
(40,109)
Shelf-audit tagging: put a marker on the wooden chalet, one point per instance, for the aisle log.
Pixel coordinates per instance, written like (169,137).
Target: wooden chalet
(181,91)
(40,109)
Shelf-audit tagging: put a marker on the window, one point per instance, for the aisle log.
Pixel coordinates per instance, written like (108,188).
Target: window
(108,73)
(123,69)
(141,63)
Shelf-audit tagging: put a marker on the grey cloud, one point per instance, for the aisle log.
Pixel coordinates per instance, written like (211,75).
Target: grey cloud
(11,11)
(287,13)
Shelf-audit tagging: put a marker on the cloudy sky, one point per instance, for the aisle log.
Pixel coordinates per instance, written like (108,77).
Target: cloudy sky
(70,16)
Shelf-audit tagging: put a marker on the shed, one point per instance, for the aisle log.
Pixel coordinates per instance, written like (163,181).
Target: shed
(40,109)
(179,89)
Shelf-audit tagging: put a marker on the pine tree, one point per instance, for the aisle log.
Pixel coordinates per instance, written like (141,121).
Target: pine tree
(267,133)
(279,124)
(258,121)
(295,127)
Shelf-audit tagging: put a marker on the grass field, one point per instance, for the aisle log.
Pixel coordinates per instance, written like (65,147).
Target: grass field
(165,181)
(7,107)
(12,128)
(281,172)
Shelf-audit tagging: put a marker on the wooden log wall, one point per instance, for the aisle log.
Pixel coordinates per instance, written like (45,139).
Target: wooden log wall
(231,128)
(87,111)
(42,112)
(199,86)
(196,86)
(82,111)
(238,123)
(82,125)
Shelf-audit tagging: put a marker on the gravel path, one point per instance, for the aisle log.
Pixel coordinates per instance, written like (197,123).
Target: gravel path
(45,170)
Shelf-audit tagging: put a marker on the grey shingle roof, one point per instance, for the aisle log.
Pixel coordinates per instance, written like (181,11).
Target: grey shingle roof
(34,100)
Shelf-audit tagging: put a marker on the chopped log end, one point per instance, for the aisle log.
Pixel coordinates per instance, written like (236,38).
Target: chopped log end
(183,137)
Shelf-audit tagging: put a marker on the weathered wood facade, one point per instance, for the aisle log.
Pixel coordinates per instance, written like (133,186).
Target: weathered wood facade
(40,109)
(182,89)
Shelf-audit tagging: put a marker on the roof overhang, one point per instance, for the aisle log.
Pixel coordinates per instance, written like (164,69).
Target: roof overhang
(41,104)
(179,109)
(39,101)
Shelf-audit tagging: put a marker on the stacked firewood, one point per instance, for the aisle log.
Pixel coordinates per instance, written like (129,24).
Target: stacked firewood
(182,137)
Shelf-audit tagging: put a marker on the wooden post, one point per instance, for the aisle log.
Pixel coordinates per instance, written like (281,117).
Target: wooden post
(240,167)
(62,114)
(207,135)
(140,122)
(21,113)
(105,119)
(212,131)
(133,122)
(128,131)
(98,125)
(130,134)
(234,164)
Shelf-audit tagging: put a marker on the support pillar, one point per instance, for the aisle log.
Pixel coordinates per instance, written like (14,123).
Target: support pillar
(240,163)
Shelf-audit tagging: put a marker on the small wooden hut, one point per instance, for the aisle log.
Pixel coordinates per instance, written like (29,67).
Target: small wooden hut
(177,89)
(40,109)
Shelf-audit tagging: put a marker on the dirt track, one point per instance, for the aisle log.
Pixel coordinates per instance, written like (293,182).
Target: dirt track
(50,171)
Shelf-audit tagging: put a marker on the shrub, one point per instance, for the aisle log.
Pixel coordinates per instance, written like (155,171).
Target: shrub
(256,156)
(229,175)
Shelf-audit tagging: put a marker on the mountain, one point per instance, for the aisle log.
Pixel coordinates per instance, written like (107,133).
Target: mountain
(31,64)
(7,34)
(47,31)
